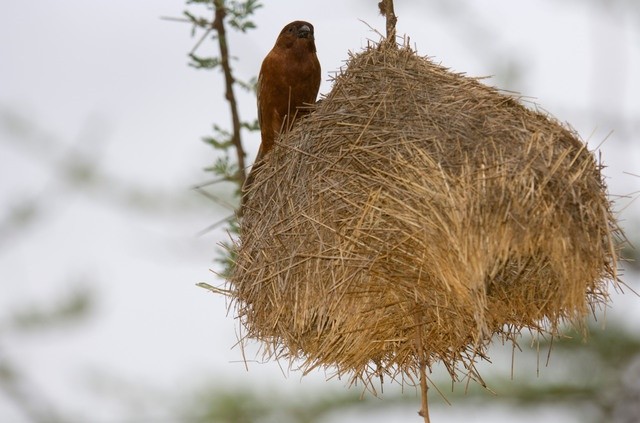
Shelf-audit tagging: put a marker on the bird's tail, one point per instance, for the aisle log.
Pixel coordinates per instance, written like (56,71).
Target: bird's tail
(248,182)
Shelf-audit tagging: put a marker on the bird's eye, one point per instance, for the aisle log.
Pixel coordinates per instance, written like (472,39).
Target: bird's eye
(291,29)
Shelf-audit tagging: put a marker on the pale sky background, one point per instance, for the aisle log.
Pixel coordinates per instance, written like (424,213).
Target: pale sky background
(109,80)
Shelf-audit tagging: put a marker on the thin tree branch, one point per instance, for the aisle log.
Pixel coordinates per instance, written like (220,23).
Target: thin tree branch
(218,25)
(386,10)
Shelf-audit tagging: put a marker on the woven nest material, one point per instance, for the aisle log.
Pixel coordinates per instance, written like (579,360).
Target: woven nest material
(412,216)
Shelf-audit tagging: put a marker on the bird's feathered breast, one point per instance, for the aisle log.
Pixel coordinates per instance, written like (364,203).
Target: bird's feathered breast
(288,83)
(291,69)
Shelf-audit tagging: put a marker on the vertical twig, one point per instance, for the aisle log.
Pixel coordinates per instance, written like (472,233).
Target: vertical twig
(422,363)
(218,25)
(386,10)
(424,388)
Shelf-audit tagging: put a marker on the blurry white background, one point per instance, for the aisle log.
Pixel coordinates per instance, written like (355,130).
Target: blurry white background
(100,128)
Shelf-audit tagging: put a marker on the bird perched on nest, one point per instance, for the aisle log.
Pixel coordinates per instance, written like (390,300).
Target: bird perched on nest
(289,79)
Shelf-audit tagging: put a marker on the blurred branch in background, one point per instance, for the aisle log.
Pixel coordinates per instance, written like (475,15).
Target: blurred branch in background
(29,400)
(70,170)
(611,355)
(588,375)
(72,307)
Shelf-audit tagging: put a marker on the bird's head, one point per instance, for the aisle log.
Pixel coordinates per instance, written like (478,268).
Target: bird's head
(297,34)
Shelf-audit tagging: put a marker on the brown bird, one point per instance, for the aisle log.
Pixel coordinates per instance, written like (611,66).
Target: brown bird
(289,79)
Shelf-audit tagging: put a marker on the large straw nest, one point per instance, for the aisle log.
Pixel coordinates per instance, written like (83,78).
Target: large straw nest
(414,214)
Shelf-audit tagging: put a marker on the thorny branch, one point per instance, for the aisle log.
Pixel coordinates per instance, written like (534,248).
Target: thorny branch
(218,25)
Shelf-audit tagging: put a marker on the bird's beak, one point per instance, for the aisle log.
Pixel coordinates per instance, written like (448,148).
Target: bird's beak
(304,31)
